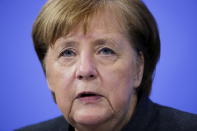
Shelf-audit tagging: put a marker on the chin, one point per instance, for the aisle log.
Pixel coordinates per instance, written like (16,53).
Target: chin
(92,117)
(90,120)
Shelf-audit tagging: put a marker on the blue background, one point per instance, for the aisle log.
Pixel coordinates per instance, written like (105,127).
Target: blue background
(24,96)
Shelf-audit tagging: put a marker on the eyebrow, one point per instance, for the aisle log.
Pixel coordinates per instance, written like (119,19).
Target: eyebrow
(70,43)
(101,42)
(96,43)
(64,44)
(67,43)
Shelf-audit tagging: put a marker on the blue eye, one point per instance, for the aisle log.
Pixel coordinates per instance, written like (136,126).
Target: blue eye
(67,53)
(106,51)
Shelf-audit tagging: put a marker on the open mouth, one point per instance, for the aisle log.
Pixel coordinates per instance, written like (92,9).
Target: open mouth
(88,96)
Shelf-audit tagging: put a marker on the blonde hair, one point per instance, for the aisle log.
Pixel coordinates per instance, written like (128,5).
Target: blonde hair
(58,17)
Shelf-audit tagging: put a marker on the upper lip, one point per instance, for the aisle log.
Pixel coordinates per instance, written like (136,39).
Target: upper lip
(87,93)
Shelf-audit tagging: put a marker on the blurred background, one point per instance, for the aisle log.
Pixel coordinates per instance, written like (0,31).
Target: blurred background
(24,96)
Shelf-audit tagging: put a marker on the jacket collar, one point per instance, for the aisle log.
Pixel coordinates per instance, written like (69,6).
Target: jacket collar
(142,117)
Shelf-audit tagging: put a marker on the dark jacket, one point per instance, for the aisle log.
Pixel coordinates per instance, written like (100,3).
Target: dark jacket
(147,117)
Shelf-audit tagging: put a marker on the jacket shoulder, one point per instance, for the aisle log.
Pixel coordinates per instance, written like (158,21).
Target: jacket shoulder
(170,118)
(56,124)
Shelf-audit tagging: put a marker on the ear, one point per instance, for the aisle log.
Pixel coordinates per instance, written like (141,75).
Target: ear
(139,69)
(50,88)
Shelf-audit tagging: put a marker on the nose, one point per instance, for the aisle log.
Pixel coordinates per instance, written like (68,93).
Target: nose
(86,69)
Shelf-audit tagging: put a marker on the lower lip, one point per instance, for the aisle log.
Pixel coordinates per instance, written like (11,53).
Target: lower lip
(90,99)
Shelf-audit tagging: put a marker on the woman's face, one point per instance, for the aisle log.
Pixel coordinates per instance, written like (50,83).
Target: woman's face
(94,74)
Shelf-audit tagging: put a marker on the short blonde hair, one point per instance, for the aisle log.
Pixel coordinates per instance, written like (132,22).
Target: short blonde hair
(58,17)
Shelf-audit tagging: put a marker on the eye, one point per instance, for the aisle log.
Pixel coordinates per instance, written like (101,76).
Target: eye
(106,51)
(67,53)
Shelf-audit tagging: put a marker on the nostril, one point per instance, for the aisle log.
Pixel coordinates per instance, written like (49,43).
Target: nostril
(91,76)
(86,77)
(80,77)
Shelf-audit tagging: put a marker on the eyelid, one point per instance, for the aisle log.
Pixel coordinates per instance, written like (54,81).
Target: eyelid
(67,48)
(105,47)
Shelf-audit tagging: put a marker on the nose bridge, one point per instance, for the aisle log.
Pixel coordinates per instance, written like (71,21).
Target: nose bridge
(86,62)
(86,68)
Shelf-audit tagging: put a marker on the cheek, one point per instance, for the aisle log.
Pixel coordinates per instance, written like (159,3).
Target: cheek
(61,83)
(118,86)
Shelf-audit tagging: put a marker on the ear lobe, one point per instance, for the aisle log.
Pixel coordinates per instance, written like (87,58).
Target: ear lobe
(140,69)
